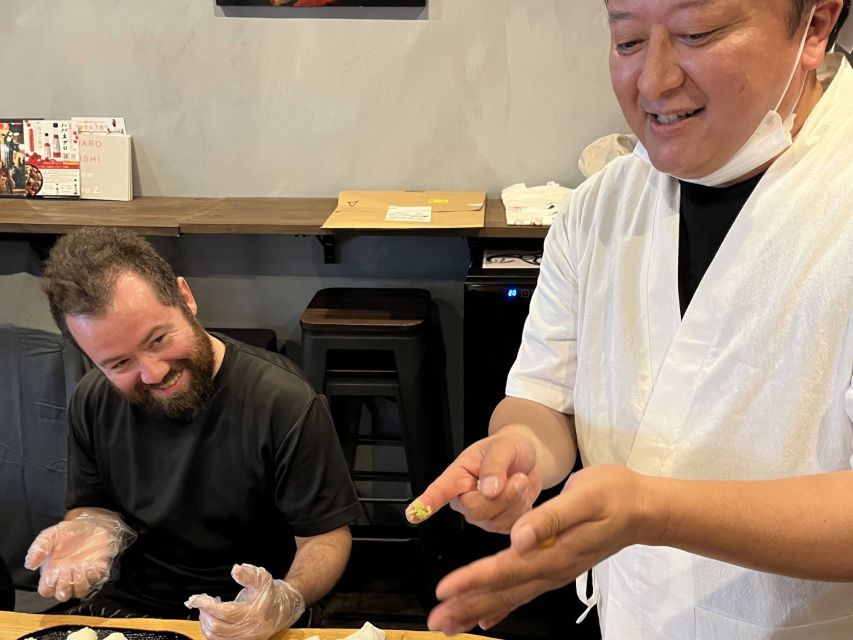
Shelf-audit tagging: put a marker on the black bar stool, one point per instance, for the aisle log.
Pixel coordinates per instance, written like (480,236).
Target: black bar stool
(256,337)
(365,349)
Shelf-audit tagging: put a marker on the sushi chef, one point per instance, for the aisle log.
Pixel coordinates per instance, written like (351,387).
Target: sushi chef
(213,466)
(691,336)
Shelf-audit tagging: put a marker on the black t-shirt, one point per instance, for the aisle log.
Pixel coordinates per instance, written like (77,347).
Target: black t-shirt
(7,589)
(707,214)
(259,464)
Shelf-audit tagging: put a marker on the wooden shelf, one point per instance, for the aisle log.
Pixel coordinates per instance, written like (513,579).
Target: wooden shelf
(281,216)
(496,226)
(158,216)
(149,216)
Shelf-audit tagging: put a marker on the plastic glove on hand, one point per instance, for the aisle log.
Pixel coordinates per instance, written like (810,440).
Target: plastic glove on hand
(75,556)
(262,608)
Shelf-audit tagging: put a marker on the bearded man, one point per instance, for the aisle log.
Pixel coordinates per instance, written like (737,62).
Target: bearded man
(199,457)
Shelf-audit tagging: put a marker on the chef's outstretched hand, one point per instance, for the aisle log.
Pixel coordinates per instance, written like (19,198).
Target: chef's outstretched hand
(599,512)
(76,556)
(492,483)
(262,608)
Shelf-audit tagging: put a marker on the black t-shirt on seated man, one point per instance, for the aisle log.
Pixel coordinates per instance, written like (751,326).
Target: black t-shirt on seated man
(7,589)
(259,464)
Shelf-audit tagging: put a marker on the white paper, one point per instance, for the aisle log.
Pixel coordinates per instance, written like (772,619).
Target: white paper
(408,214)
(511,259)
(367,632)
(99,125)
(534,206)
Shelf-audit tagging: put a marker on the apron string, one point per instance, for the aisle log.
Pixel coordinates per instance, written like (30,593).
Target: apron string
(592,600)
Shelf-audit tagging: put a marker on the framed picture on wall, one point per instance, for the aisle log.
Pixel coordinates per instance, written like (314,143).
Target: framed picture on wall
(322,3)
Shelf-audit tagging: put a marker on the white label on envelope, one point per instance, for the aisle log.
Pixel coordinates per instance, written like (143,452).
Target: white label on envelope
(408,214)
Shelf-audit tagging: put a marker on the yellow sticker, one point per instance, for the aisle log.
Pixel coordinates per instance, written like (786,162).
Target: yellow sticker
(434,201)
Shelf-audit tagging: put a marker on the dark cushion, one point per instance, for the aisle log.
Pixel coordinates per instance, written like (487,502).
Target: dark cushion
(39,373)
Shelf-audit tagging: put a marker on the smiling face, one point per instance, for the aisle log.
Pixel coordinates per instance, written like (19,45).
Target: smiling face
(694,78)
(155,355)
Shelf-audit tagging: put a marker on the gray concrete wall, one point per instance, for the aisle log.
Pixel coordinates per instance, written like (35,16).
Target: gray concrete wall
(472,94)
(468,94)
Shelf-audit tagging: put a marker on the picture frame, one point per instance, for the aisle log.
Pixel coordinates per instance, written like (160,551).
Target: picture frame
(315,4)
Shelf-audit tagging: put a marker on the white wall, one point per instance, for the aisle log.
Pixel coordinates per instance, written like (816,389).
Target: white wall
(470,94)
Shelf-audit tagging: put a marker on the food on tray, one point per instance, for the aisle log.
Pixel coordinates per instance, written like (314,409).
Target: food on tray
(87,633)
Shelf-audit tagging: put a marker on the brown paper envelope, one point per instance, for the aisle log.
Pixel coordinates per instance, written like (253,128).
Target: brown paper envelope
(367,209)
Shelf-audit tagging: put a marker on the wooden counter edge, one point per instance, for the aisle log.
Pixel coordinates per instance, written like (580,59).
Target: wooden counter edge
(17,625)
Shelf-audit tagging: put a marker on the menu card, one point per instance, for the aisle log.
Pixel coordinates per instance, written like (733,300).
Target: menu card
(13,167)
(105,167)
(105,159)
(52,156)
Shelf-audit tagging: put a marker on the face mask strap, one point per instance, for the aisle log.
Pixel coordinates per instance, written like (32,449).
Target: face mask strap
(794,69)
(844,40)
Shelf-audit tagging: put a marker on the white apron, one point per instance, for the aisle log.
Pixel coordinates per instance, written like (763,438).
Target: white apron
(753,383)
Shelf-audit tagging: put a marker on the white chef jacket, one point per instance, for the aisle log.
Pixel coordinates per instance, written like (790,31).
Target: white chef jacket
(754,382)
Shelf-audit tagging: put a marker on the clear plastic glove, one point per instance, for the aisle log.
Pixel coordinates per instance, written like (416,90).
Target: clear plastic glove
(75,556)
(262,608)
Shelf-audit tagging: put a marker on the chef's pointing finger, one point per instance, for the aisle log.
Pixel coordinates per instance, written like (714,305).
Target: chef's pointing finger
(452,483)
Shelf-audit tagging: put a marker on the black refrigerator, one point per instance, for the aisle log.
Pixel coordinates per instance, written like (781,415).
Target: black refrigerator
(501,280)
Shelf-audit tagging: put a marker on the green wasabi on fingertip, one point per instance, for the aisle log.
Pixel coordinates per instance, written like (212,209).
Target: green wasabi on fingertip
(418,512)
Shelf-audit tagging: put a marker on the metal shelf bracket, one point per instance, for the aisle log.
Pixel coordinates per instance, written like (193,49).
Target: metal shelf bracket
(330,253)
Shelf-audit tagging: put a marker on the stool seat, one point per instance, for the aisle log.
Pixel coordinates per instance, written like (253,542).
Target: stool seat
(261,338)
(379,310)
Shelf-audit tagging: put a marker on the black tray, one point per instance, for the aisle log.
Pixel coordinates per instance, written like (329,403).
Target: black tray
(61,633)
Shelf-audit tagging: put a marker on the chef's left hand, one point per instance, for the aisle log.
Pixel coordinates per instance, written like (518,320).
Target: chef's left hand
(262,608)
(601,510)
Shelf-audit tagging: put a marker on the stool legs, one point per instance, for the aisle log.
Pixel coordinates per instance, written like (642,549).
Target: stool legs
(420,419)
(314,353)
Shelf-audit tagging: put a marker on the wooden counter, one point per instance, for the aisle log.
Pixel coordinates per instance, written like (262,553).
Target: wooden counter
(17,625)
(155,216)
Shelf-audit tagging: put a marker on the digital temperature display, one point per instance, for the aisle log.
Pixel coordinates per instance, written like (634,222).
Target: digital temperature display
(514,293)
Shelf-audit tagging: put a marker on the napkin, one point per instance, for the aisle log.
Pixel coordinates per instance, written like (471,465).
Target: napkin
(367,632)
(533,205)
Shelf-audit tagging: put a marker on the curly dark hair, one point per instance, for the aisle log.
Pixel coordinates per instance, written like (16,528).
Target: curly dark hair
(84,266)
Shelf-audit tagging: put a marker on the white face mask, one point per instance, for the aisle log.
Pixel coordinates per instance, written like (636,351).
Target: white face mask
(845,37)
(770,138)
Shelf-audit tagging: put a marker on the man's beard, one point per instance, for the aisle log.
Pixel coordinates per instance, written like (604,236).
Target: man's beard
(184,404)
